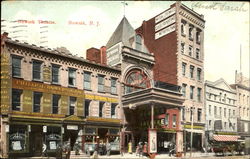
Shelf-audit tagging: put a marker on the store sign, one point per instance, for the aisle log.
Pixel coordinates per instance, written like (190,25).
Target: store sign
(47,88)
(165,31)
(72,127)
(165,23)
(113,55)
(152,141)
(164,15)
(44,129)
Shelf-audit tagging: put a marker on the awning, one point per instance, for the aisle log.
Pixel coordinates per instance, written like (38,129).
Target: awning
(226,137)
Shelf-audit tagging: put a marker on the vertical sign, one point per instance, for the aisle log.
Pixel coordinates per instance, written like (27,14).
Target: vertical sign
(152,140)
(5,81)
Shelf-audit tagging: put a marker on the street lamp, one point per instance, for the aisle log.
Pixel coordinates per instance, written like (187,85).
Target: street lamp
(192,124)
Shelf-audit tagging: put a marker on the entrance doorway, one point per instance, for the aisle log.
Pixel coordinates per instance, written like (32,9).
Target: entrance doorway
(36,140)
(102,133)
(71,136)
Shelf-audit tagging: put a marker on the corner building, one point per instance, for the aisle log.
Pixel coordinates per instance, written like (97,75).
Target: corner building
(49,97)
(151,108)
(176,38)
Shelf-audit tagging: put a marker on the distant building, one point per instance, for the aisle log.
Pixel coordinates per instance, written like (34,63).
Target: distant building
(176,39)
(49,97)
(242,86)
(221,112)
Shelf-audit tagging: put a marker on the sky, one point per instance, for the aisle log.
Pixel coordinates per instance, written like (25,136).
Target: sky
(79,25)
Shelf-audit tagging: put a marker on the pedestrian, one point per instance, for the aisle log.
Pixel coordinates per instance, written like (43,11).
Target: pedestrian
(108,148)
(130,147)
(145,149)
(95,154)
(77,148)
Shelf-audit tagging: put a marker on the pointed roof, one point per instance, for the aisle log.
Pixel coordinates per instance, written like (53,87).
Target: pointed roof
(122,33)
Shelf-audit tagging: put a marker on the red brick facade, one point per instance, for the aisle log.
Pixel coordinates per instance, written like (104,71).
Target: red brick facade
(97,55)
(164,50)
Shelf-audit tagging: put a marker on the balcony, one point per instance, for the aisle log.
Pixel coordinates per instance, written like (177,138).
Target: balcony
(161,94)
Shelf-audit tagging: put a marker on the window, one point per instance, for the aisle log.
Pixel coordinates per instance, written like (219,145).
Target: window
(197,53)
(138,42)
(72,104)
(183,48)
(210,123)
(225,112)
(229,113)
(199,112)
(192,109)
(86,107)
(191,32)
(225,125)
(16,99)
(233,112)
(190,50)
(37,70)
(87,80)
(100,83)
(184,68)
(183,30)
(198,74)
(198,36)
(215,110)
(199,94)
(183,114)
(55,102)
(191,92)
(72,77)
(209,110)
(191,71)
(220,111)
(16,66)
(215,97)
(37,99)
(184,89)
(113,86)
(113,108)
(136,80)
(166,119)
(101,104)
(174,120)
(55,74)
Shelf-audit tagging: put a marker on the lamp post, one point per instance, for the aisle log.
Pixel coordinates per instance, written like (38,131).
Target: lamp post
(191,138)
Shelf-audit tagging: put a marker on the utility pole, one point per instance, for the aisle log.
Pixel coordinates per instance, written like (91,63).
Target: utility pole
(191,138)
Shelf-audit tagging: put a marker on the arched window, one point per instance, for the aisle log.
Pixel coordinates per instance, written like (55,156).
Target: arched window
(183,29)
(136,80)
(138,42)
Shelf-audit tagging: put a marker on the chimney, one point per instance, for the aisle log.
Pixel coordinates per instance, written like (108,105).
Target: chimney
(4,36)
(103,55)
(93,54)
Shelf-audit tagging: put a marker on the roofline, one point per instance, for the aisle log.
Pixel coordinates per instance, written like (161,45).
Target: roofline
(53,52)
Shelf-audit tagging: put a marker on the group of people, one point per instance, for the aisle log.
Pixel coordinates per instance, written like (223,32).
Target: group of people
(142,149)
(102,149)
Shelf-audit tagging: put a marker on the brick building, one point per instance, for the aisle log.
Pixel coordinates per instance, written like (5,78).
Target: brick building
(49,97)
(176,39)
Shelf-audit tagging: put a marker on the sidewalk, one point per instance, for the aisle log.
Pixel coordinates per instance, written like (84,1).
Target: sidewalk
(133,156)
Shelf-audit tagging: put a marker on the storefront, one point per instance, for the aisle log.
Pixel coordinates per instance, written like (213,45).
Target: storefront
(33,137)
(99,131)
(197,133)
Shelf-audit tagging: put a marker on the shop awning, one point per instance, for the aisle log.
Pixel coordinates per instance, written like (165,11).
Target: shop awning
(226,137)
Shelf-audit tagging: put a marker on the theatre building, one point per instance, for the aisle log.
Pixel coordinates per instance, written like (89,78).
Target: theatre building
(176,39)
(151,108)
(50,96)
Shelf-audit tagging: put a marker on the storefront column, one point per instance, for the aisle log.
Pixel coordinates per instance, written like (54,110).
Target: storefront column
(152,116)
(4,137)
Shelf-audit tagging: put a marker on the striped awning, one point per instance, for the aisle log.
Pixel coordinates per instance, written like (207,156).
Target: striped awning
(226,137)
